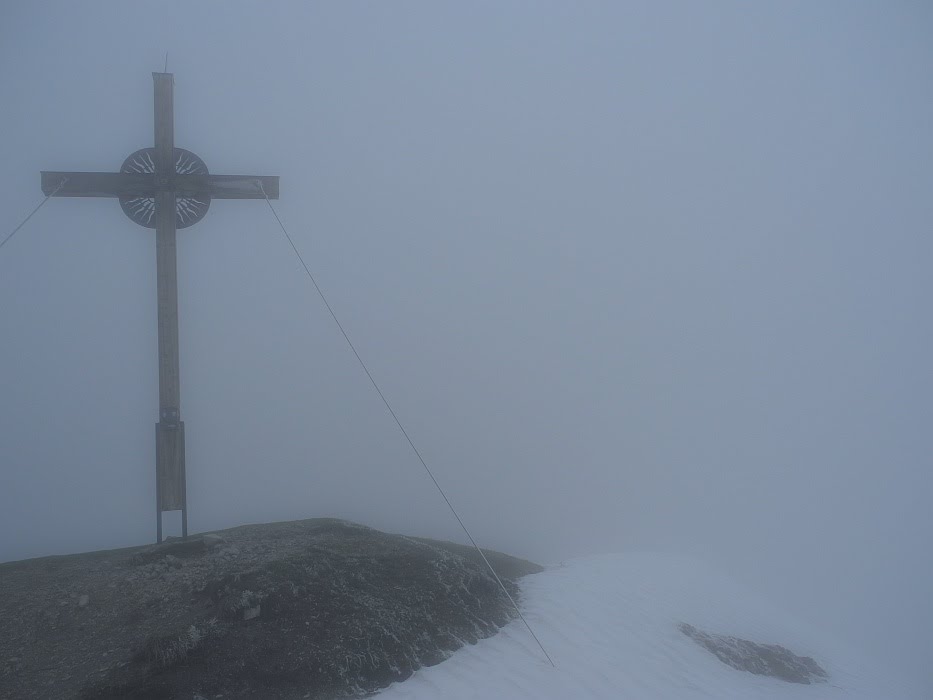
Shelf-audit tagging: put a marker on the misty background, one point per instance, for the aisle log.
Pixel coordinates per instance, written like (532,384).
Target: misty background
(646,276)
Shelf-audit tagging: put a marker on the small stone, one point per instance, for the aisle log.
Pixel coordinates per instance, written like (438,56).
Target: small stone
(250,613)
(213,540)
(172,561)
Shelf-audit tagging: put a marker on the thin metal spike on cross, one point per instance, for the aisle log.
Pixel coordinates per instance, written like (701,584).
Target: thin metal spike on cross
(164,188)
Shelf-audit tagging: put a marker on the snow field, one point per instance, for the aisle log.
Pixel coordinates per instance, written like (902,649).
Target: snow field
(610,624)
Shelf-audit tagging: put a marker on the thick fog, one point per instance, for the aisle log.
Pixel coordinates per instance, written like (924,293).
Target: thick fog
(646,276)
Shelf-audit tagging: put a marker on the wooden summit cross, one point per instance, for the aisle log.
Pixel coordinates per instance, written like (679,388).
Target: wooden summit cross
(164,188)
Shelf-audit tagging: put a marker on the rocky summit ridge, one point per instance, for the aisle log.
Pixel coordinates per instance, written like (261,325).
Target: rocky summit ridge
(316,608)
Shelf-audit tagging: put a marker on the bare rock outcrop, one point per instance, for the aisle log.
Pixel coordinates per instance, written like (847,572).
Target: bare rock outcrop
(761,659)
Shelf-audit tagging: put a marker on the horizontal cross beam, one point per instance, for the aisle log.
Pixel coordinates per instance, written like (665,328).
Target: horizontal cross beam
(150,184)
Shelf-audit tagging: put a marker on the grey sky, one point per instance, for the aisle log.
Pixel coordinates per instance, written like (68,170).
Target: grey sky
(635,276)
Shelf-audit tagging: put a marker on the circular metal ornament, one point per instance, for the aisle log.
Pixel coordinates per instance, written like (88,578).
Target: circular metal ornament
(188,210)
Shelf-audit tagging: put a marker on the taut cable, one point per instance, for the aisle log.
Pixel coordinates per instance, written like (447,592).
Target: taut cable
(23,223)
(401,427)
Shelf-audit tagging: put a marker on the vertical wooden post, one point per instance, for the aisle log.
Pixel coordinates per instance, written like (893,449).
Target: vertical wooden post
(170,441)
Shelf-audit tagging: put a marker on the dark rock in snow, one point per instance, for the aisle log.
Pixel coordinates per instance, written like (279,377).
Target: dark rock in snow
(761,659)
(307,609)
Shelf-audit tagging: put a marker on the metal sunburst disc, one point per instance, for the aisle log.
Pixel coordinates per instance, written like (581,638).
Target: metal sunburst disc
(188,210)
